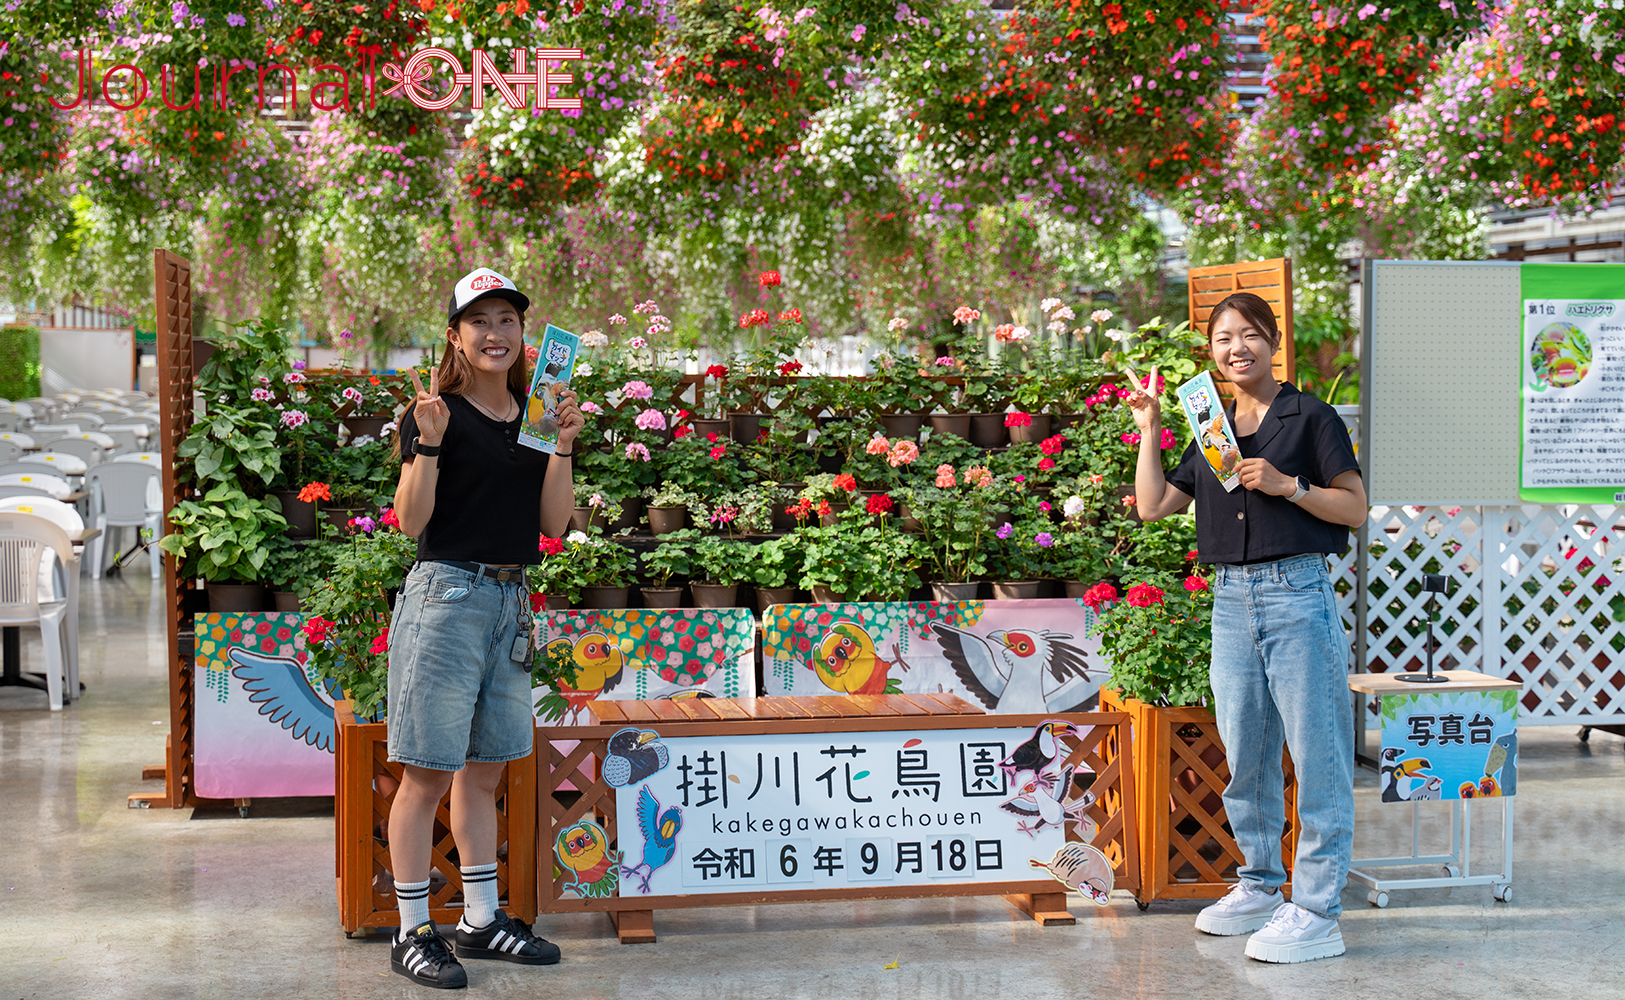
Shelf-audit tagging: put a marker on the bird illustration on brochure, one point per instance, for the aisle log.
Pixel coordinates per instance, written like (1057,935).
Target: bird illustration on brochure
(1033,656)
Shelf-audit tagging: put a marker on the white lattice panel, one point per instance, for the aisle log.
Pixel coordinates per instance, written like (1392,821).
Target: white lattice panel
(1561,572)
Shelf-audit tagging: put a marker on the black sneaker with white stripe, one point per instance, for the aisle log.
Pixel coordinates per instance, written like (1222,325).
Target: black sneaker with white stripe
(507,939)
(424,957)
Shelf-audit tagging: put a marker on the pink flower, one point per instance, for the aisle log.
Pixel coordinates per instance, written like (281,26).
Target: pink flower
(979,475)
(1043,505)
(381,643)
(637,389)
(878,445)
(903,453)
(965,314)
(294,378)
(1018,419)
(351,393)
(532,352)
(1019,479)
(946,362)
(1005,530)
(263,395)
(265,380)
(294,418)
(651,420)
(590,407)
(1132,437)
(1168,440)
(1003,331)
(1053,444)
(858,33)
(366,524)
(638,343)
(945,476)
(719,451)
(617,320)
(638,451)
(1044,539)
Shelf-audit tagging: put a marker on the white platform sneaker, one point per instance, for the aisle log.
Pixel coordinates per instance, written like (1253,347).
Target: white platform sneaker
(1295,934)
(1244,909)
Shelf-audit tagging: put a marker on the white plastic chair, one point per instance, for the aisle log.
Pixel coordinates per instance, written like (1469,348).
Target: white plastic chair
(33,484)
(23,441)
(91,447)
(133,398)
(64,516)
(36,562)
(151,458)
(90,420)
(43,432)
(10,452)
(68,465)
(125,495)
(11,421)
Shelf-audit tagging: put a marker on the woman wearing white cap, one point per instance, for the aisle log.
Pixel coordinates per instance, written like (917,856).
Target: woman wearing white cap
(459,641)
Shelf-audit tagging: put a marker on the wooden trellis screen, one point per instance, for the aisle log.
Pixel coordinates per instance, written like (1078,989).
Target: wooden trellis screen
(1270,280)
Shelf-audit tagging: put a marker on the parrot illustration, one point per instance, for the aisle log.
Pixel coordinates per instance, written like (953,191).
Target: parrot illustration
(1428,791)
(284,695)
(1504,758)
(847,662)
(1038,752)
(659,838)
(1025,671)
(1396,771)
(633,755)
(1040,800)
(583,849)
(599,663)
(1083,868)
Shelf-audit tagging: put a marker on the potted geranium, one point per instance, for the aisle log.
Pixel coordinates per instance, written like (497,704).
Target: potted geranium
(955,514)
(606,569)
(668,507)
(723,564)
(673,557)
(560,575)
(226,538)
(775,569)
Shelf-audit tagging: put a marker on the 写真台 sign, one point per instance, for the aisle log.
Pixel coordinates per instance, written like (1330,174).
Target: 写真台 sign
(851,810)
(1449,745)
(212,82)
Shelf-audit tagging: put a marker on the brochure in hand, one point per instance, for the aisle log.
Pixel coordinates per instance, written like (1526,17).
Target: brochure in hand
(1204,409)
(554,366)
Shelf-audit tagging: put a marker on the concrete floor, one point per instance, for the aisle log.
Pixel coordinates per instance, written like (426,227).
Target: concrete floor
(97,900)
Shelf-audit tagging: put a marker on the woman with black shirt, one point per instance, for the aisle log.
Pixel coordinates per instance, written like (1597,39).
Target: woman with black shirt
(1280,653)
(460,638)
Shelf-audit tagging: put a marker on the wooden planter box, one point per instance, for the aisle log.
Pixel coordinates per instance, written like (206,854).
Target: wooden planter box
(365,892)
(1186,849)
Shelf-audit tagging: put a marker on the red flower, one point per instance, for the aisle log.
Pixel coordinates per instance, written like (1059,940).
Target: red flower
(719,451)
(824,509)
(768,279)
(711,436)
(538,602)
(756,317)
(1191,555)
(372,380)
(1143,595)
(317,629)
(1100,593)
(880,503)
(718,372)
(792,314)
(789,368)
(1053,445)
(550,546)
(1018,419)
(315,491)
(1046,464)
(1195,583)
(681,431)
(846,482)
(387,517)
(380,643)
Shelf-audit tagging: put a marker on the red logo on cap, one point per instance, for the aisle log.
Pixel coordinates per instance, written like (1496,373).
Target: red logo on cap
(485,282)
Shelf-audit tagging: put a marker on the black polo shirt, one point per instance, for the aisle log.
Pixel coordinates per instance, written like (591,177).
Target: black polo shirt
(1300,436)
(488,499)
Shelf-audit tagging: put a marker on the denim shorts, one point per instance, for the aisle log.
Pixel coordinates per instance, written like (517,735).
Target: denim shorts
(455,692)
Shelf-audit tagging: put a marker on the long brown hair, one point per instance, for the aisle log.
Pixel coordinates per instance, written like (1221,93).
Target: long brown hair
(455,375)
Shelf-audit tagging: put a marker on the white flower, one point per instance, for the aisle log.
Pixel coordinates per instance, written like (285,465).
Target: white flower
(1101,315)
(1064,313)
(1116,335)
(584,369)
(1074,506)
(1020,333)
(617,320)
(1049,304)
(595,338)
(576,538)
(596,500)
(1057,326)
(638,343)
(897,323)
(362,441)
(388,429)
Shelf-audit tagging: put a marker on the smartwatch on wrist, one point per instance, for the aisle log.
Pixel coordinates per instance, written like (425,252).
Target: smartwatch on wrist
(426,450)
(1303,491)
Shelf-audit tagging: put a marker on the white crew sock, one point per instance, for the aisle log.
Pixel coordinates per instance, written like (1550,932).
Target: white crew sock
(413,900)
(479,896)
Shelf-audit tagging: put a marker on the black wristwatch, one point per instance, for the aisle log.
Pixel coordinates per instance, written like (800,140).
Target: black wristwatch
(426,450)
(1303,491)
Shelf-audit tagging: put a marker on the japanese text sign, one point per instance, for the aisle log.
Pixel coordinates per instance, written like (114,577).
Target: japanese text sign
(1449,745)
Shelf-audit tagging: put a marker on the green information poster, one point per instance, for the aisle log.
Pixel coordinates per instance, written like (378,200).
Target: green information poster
(1573,376)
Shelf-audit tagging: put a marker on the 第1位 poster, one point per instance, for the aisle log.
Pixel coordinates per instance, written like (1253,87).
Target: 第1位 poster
(1572,357)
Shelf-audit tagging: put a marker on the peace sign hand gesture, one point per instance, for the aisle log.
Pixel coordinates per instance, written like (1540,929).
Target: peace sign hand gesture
(431,413)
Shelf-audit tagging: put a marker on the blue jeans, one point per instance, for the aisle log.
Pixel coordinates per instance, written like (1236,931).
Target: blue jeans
(455,692)
(1280,672)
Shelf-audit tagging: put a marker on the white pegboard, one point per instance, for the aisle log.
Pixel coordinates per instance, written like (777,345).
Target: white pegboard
(1440,393)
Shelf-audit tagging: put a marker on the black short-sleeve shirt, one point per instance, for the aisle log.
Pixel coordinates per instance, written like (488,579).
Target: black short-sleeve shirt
(488,499)
(1300,436)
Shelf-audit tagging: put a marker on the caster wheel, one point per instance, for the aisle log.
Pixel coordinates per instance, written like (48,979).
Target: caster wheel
(1585,734)
(1502,893)
(1143,906)
(1452,871)
(242,811)
(1377,899)
(349,934)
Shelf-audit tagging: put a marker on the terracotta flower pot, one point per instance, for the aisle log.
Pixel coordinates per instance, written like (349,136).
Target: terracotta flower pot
(957,424)
(987,430)
(822,594)
(1036,431)
(902,425)
(714,595)
(943,591)
(766,597)
(558,602)
(236,597)
(704,428)
(1015,590)
(665,520)
(582,516)
(834,516)
(301,516)
(662,597)
(631,514)
(745,427)
(285,600)
(603,597)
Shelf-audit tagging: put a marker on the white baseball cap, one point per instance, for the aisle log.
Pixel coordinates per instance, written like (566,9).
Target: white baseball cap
(483,283)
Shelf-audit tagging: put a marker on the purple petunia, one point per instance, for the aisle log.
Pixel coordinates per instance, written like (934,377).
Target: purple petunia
(1044,539)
